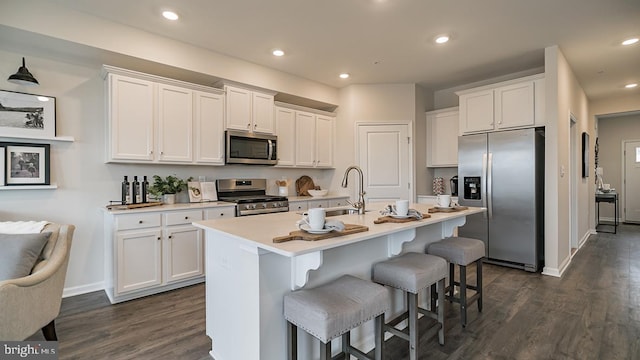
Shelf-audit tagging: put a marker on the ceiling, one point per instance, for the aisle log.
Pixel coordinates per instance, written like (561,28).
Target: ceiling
(391,41)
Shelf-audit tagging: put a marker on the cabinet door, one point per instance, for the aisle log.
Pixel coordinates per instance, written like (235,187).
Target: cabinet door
(184,255)
(208,132)
(139,261)
(514,105)
(443,139)
(286,132)
(262,113)
(175,124)
(220,212)
(238,110)
(476,112)
(131,117)
(305,139)
(324,141)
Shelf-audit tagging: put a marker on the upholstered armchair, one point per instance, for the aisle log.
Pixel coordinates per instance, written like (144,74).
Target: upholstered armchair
(32,302)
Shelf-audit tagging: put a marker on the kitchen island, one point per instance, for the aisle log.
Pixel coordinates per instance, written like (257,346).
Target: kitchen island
(247,274)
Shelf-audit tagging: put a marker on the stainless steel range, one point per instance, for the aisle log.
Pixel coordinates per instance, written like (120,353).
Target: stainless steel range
(250,196)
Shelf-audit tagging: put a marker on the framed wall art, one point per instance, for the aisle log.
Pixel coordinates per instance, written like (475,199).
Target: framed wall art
(27,115)
(2,160)
(585,155)
(26,164)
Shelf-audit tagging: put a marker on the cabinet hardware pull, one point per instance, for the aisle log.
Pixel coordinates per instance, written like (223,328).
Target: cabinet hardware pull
(140,222)
(186,217)
(248,125)
(221,214)
(170,237)
(158,237)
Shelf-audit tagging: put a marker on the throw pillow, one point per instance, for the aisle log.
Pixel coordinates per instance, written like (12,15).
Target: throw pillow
(19,253)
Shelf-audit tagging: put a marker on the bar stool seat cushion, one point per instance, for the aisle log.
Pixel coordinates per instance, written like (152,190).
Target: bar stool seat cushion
(458,250)
(410,272)
(332,309)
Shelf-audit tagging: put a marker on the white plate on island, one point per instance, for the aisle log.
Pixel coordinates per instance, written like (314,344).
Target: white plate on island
(444,207)
(308,229)
(400,216)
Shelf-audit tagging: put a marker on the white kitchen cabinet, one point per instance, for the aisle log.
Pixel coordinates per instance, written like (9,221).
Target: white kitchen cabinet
(208,135)
(314,140)
(298,206)
(320,203)
(311,202)
(175,124)
(286,132)
(511,104)
(151,119)
(338,202)
(442,137)
(148,252)
(249,110)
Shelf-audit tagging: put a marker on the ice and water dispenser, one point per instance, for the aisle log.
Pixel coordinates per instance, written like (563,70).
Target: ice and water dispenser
(472,188)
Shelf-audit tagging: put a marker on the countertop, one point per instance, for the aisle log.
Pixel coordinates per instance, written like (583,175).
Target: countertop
(308,198)
(179,206)
(259,230)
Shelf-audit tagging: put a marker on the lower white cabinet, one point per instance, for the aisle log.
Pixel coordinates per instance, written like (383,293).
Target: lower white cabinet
(304,205)
(148,252)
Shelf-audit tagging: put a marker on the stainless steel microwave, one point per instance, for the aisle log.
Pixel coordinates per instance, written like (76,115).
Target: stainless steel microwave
(250,148)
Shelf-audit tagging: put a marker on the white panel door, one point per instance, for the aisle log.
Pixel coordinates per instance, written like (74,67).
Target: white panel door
(139,260)
(305,139)
(383,154)
(184,255)
(632,181)
(514,105)
(286,132)
(324,141)
(175,124)
(262,113)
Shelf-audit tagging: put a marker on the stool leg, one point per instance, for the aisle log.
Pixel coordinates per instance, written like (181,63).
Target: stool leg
(451,280)
(379,336)
(412,304)
(292,341)
(479,283)
(463,295)
(346,342)
(434,297)
(440,311)
(325,350)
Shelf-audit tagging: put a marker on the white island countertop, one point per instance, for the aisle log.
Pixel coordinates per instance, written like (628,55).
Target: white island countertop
(260,230)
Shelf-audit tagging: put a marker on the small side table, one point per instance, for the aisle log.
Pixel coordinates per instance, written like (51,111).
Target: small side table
(610,197)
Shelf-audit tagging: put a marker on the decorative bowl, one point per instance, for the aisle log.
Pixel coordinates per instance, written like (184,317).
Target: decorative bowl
(318,193)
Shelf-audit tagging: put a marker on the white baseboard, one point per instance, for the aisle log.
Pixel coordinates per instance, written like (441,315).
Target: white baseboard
(83,289)
(557,272)
(584,239)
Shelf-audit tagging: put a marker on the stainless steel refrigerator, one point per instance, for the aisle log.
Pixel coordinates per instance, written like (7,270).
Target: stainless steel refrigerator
(504,172)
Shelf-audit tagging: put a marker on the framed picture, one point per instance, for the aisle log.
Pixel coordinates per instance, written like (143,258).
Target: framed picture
(195,193)
(585,155)
(26,164)
(2,160)
(27,115)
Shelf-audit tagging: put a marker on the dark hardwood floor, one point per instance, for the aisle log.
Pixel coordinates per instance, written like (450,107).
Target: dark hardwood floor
(592,312)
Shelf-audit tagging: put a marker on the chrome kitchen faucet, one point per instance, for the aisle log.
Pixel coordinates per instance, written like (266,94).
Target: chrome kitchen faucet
(360,203)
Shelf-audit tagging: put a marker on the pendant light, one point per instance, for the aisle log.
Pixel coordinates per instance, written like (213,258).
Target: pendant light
(23,76)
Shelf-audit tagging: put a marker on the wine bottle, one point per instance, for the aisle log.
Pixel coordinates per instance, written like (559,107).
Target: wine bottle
(125,190)
(145,189)
(135,192)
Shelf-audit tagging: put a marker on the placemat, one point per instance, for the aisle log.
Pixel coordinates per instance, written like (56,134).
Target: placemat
(303,235)
(452,209)
(389,219)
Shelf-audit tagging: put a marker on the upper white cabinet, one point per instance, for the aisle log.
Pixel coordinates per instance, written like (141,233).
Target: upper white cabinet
(442,137)
(151,119)
(305,137)
(511,104)
(249,110)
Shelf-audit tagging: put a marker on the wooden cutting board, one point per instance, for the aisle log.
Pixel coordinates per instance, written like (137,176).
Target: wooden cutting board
(389,219)
(303,185)
(303,235)
(453,209)
(132,206)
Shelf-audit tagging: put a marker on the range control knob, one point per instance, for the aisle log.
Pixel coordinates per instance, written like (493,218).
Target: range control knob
(251,206)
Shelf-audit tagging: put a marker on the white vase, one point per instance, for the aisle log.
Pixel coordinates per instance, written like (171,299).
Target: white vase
(169,199)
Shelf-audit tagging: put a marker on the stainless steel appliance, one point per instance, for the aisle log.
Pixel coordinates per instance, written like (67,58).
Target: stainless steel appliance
(250,148)
(504,172)
(250,196)
(454,185)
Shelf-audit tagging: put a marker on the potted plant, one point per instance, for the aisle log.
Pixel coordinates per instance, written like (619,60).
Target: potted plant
(168,187)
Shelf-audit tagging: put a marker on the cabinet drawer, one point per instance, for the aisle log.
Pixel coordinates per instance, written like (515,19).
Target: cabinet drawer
(298,206)
(220,213)
(182,217)
(338,202)
(137,221)
(318,204)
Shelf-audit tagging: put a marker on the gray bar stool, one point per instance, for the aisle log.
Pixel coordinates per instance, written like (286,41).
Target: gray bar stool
(333,310)
(411,273)
(462,251)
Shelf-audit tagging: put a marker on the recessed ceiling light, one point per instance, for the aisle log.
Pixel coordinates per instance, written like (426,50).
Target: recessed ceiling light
(631,86)
(630,41)
(170,15)
(441,39)
(277,52)
(344,76)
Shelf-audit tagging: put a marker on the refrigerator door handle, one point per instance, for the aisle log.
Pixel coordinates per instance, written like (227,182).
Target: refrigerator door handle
(483,183)
(489,185)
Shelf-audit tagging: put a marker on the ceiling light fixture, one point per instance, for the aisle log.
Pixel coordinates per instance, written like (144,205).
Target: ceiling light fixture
(441,39)
(277,52)
(631,86)
(344,76)
(630,41)
(23,76)
(170,15)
